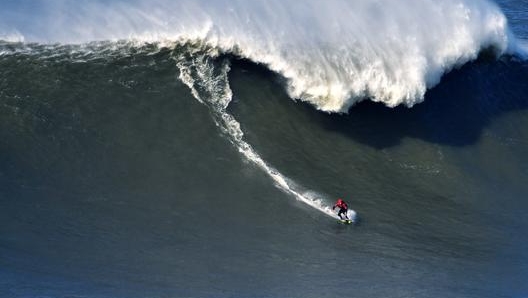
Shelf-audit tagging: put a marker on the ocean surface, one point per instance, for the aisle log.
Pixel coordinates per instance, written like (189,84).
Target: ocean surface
(195,148)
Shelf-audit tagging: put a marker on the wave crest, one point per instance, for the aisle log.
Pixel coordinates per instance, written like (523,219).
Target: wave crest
(332,55)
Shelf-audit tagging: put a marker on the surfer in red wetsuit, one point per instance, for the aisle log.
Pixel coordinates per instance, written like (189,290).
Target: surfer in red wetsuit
(343,208)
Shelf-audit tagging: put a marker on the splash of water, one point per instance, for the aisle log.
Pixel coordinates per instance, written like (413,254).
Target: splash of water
(333,54)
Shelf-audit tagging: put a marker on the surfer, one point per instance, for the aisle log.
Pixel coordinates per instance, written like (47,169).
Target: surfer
(343,208)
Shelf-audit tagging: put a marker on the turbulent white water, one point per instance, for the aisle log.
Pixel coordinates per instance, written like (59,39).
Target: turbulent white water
(333,53)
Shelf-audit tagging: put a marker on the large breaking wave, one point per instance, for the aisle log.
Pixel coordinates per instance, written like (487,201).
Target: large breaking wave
(333,53)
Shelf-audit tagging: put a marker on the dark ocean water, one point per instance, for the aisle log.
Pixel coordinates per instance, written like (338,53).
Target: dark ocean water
(117,181)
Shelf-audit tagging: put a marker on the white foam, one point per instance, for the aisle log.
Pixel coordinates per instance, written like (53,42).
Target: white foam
(333,53)
(13,36)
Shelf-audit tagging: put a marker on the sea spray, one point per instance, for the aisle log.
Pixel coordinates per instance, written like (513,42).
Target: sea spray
(333,54)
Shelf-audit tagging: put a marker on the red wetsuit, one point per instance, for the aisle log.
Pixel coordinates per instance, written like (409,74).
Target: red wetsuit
(343,208)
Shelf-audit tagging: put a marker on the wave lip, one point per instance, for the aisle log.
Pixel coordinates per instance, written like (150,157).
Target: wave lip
(332,55)
(386,53)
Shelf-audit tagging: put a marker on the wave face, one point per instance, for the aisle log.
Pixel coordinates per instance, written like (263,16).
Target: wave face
(332,55)
(115,181)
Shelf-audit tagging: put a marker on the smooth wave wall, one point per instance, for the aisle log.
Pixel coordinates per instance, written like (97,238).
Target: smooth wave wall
(332,53)
(208,81)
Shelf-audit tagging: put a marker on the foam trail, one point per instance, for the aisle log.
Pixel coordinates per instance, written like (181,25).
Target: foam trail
(333,54)
(209,84)
(280,180)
